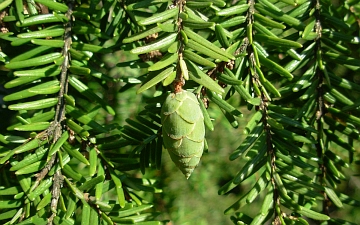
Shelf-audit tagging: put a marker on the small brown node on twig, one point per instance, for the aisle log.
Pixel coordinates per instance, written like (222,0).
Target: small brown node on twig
(86,196)
(153,56)
(206,102)
(3,27)
(151,38)
(223,85)
(72,139)
(178,86)
(230,65)
(42,9)
(276,221)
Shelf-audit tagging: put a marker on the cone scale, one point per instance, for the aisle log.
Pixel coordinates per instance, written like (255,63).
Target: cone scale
(183,130)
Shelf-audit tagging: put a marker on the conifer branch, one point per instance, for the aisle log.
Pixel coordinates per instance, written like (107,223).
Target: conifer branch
(60,115)
(320,146)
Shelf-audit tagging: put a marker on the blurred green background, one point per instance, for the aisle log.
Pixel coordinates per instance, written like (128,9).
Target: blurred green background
(196,201)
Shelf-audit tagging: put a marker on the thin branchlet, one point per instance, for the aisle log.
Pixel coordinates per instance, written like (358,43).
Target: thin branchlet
(263,107)
(320,112)
(179,81)
(60,116)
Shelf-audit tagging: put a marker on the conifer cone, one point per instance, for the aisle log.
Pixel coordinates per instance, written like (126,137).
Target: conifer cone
(183,130)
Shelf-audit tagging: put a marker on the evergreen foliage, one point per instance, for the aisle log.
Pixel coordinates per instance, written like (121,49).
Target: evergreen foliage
(293,64)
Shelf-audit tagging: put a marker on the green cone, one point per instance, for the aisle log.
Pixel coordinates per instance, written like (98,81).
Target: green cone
(183,130)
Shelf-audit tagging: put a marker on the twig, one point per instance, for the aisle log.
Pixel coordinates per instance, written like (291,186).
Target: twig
(320,112)
(60,115)
(179,81)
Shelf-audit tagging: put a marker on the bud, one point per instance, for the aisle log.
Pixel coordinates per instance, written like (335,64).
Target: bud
(183,130)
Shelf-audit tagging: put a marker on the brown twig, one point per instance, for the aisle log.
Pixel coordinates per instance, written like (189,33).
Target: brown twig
(60,116)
